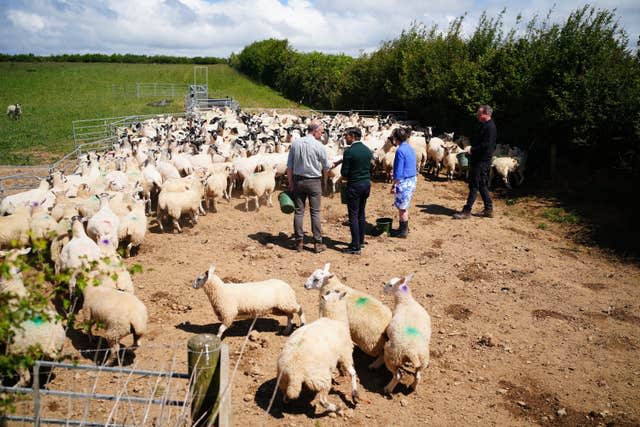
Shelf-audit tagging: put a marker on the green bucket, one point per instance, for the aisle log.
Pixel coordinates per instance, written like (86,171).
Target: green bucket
(463,160)
(384,225)
(286,202)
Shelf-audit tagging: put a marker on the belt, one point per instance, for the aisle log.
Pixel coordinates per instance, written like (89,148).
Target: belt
(300,177)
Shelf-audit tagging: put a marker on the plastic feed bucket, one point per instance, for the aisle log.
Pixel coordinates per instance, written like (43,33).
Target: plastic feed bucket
(384,225)
(286,202)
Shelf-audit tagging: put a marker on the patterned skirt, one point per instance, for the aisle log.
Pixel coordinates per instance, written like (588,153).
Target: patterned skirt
(404,192)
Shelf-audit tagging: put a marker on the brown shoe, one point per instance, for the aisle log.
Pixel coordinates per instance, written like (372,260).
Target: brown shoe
(299,245)
(462,215)
(319,247)
(487,214)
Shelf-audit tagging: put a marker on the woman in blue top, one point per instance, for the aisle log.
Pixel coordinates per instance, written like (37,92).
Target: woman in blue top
(404,178)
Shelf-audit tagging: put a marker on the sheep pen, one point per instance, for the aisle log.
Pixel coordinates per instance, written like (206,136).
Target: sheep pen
(526,324)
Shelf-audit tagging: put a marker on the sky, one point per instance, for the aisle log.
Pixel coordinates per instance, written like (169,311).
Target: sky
(221,27)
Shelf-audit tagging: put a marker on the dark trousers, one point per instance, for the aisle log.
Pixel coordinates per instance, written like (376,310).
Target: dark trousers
(307,188)
(479,181)
(357,195)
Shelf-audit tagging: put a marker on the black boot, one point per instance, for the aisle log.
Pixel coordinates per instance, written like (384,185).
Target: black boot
(402,231)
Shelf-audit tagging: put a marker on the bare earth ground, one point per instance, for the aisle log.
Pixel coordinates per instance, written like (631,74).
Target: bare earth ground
(527,326)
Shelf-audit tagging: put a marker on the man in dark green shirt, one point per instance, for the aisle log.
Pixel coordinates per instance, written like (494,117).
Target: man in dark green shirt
(356,171)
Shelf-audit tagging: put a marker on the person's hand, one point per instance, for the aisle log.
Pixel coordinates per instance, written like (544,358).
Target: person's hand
(467,149)
(393,189)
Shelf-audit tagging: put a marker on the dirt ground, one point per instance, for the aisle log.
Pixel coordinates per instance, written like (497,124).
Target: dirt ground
(528,327)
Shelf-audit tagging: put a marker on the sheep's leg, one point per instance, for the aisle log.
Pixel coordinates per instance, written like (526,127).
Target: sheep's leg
(506,181)
(213,202)
(176,225)
(257,199)
(289,327)
(323,398)
(25,377)
(354,384)
(303,321)
(201,209)
(393,383)
(378,362)
(127,251)
(221,330)
(159,220)
(246,203)
(415,382)
(269,201)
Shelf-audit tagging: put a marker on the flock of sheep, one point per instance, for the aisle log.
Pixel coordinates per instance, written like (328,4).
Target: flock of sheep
(179,168)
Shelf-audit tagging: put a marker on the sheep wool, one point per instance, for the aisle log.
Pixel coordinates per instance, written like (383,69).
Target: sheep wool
(231,301)
(311,353)
(409,335)
(368,317)
(121,313)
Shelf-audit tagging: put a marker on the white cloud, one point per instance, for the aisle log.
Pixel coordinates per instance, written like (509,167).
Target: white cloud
(201,27)
(26,21)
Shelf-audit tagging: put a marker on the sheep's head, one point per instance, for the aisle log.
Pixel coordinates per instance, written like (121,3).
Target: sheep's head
(397,284)
(204,278)
(333,295)
(318,278)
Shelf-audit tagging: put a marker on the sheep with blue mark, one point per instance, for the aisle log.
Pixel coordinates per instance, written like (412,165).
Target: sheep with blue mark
(368,317)
(409,335)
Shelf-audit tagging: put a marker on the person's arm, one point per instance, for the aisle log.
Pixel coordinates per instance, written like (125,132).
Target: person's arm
(290,178)
(483,142)
(346,166)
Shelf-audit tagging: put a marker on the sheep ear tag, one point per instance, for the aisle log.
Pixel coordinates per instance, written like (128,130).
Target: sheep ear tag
(404,288)
(362,301)
(37,319)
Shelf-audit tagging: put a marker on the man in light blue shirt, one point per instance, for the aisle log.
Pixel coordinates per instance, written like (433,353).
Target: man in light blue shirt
(306,165)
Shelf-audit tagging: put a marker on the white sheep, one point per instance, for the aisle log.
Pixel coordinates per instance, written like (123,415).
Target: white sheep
(514,164)
(409,334)
(39,196)
(104,224)
(120,314)
(42,224)
(216,186)
(259,184)
(231,301)
(14,111)
(313,351)
(12,283)
(108,271)
(368,317)
(133,227)
(14,228)
(173,204)
(46,333)
(80,251)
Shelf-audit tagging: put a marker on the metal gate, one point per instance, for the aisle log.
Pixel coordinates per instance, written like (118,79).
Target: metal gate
(42,405)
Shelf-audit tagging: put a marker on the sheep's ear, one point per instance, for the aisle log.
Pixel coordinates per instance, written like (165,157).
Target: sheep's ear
(407,278)
(326,267)
(24,251)
(212,269)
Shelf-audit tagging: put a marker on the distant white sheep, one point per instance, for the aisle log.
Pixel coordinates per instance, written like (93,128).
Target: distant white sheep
(14,111)
(259,184)
(232,301)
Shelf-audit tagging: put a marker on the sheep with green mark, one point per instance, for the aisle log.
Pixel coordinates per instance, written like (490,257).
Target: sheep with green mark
(409,334)
(368,317)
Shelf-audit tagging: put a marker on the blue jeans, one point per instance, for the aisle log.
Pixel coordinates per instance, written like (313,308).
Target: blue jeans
(357,195)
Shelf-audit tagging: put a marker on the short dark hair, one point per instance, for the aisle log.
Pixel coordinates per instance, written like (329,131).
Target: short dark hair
(401,134)
(353,131)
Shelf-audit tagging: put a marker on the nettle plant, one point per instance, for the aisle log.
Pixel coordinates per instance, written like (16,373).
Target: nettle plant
(32,292)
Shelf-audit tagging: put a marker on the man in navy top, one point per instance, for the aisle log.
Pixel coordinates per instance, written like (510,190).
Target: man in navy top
(481,151)
(404,178)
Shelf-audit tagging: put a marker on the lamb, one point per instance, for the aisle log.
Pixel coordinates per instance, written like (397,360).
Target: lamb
(236,300)
(14,111)
(80,250)
(311,353)
(174,204)
(257,185)
(409,334)
(368,317)
(513,164)
(435,154)
(46,332)
(12,283)
(121,313)
(133,227)
(216,187)
(42,224)
(450,160)
(14,228)
(104,224)
(40,195)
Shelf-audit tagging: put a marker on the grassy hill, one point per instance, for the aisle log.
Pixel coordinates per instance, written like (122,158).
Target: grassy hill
(53,95)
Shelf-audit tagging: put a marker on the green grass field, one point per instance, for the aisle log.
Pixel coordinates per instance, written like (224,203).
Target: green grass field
(53,95)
